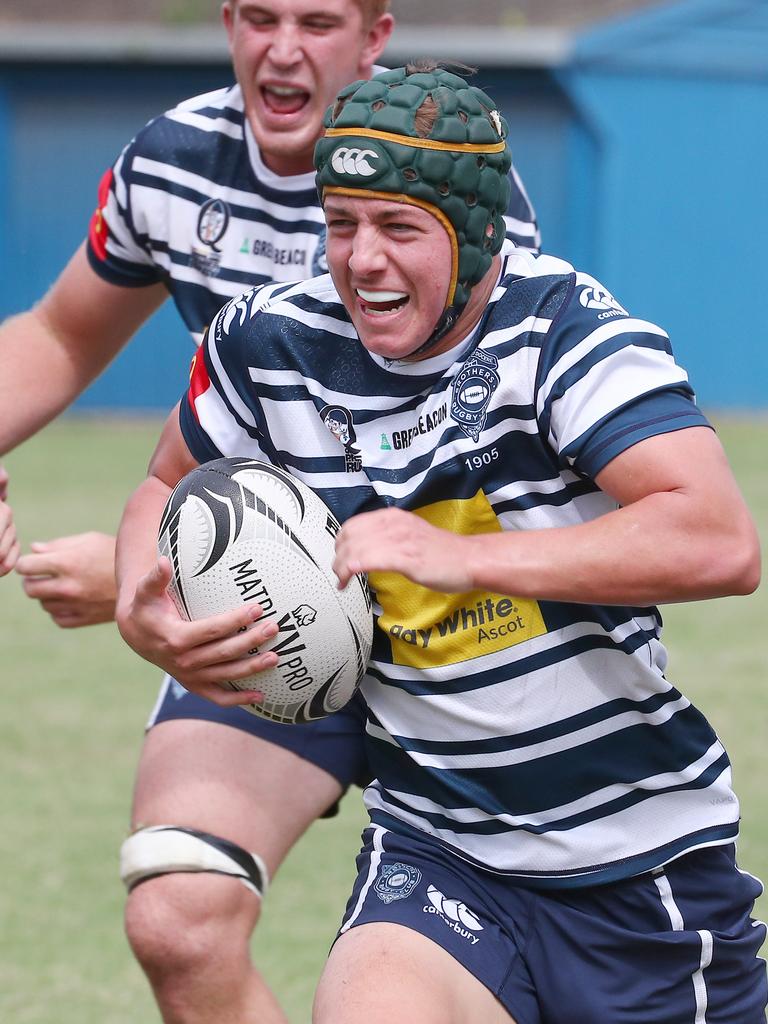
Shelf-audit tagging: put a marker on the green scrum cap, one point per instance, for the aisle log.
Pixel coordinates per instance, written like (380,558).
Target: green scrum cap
(453,161)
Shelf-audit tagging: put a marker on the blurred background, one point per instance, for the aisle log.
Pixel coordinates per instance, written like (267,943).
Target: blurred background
(639,129)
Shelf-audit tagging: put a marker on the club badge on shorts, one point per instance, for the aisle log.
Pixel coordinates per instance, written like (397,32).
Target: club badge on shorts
(396,882)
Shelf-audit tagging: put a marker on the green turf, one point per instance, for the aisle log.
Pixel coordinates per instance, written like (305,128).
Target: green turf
(75,705)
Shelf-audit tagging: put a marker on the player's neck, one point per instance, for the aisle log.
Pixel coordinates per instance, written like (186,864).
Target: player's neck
(471,314)
(288,165)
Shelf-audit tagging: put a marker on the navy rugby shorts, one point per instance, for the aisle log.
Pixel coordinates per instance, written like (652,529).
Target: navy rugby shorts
(676,946)
(336,743)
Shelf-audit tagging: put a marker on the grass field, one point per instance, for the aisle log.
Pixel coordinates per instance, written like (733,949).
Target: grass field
(75,705)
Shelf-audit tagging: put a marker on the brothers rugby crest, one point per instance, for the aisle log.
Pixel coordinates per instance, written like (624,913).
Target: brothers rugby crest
(472,392)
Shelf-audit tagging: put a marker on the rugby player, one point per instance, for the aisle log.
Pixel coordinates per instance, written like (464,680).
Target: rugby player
(552,824)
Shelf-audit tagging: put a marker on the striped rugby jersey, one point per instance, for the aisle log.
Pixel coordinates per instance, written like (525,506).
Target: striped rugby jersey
(539,739)
(190,203)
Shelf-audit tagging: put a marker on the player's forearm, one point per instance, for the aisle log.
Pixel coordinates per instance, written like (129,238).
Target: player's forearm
(136,551)
(658,550)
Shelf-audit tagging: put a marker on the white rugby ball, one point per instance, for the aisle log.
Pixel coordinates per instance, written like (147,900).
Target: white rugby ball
(237,531)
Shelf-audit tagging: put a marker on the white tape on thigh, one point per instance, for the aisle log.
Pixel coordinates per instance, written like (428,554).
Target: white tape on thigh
(170,849)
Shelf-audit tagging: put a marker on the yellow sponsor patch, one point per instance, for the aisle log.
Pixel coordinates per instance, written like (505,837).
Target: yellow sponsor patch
(427,628)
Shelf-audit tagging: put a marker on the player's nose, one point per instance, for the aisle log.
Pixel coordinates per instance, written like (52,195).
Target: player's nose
(285,45)
(368,255)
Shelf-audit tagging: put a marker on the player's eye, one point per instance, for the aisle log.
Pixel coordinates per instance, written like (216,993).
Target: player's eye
(259,19)
(320,24)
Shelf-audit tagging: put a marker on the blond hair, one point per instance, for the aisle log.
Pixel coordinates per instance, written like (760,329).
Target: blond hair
(373,9)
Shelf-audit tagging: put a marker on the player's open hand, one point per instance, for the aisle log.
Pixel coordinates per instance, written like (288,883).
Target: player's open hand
(391,540)
(9,544)
(73,578)
(201,654)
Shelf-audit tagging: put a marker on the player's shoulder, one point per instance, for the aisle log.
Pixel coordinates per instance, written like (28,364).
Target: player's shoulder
(542,284)
(313,306)
(530,286)
(198,119)
(215,103)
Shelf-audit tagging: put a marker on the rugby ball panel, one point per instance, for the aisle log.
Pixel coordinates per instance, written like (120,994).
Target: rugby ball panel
(238,530)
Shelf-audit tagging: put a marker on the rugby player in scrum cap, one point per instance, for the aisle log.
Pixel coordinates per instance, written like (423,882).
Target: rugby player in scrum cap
(552,823)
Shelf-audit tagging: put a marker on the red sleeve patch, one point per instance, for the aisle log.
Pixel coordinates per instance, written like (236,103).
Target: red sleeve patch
(199,381)
(97,233)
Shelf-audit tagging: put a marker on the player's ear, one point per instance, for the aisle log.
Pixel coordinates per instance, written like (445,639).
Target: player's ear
(228,18)
(377,37)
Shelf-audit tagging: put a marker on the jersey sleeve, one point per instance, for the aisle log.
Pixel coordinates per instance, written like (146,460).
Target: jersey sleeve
(219,415)
(118,236)
(520,218)
(607,380)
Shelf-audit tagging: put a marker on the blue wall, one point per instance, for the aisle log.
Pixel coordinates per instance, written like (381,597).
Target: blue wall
(60,128)
(677,103)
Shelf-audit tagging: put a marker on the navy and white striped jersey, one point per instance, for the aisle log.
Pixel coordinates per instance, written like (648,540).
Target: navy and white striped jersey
(190,203)
(540,739)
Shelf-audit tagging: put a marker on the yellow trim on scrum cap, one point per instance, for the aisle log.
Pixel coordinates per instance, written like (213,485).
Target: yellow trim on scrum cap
(417,143)
(400,197)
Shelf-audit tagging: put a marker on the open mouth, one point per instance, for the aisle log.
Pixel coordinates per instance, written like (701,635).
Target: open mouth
(381,303)
(284,99)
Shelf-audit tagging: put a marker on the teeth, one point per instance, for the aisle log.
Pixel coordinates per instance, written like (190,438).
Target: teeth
(380,296)
(284,90)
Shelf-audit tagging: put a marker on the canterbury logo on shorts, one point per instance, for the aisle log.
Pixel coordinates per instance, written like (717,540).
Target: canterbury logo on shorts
(354,161)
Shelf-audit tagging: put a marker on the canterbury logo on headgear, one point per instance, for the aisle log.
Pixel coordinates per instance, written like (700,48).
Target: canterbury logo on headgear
(353,161)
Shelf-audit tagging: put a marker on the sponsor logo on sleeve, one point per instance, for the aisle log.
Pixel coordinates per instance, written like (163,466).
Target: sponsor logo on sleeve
(601,300)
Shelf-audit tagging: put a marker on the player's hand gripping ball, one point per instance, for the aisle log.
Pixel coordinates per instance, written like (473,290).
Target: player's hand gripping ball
(236,531)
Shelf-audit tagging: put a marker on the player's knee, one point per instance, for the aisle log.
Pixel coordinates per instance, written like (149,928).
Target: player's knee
(181,925)
(187,905)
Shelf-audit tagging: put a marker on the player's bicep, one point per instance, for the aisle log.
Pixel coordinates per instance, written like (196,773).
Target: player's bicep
(172,458)
(690,462)
(92,319)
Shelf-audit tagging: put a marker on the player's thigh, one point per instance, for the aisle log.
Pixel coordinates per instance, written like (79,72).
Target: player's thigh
(225,781)
(380,973)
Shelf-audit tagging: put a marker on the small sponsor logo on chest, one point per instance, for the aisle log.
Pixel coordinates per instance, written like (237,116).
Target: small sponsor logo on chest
(424,425)
(278,255)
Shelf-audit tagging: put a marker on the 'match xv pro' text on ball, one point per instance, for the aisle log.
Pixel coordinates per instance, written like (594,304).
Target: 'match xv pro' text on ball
(237,530)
